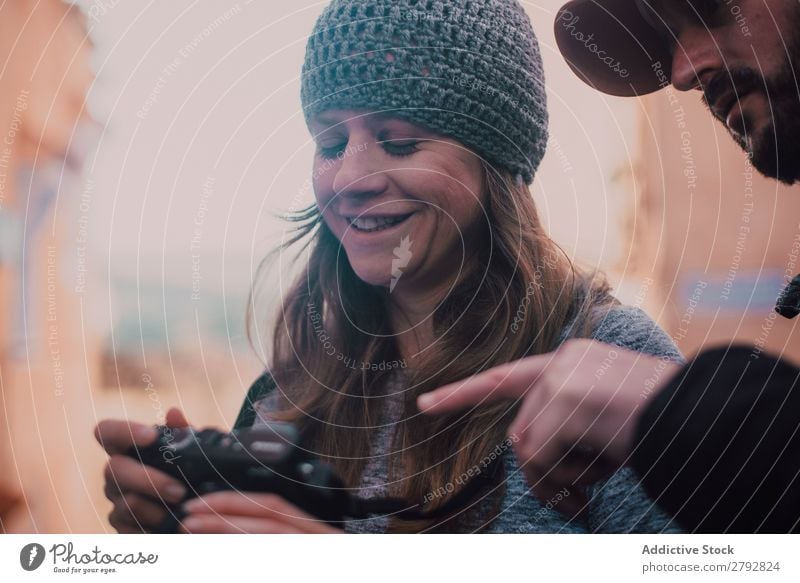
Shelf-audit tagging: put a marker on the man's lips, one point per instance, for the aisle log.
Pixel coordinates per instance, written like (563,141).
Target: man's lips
(722,104)
(727,108)
(735,118)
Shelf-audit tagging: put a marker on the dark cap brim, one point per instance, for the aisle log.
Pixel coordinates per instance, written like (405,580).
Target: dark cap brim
(612,47)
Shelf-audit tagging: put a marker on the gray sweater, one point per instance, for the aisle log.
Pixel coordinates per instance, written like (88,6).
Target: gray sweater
(616,505)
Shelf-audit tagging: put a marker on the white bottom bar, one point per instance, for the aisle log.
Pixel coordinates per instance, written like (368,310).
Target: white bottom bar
(390,558)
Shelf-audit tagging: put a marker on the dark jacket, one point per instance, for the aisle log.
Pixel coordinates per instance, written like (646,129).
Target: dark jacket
(719,446)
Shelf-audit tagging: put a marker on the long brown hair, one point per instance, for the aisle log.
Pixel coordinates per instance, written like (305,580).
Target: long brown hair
(525,299)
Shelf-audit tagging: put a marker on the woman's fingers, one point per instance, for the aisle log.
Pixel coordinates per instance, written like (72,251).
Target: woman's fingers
(140,494)
(219,524)
(176,418)
(119,436)
(135,513)
(269,507)
(248,504)
(128,475)
(244,504)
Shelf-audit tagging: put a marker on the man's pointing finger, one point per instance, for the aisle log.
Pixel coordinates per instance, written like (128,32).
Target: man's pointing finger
(507,381)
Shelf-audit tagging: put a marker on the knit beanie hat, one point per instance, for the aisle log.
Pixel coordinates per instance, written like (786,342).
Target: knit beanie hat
(467,69)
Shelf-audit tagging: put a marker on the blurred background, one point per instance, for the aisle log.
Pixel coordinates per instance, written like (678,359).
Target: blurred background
(145,151)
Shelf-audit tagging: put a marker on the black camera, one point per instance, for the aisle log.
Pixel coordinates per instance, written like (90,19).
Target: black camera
(270,458)
(264,459)
(788,304)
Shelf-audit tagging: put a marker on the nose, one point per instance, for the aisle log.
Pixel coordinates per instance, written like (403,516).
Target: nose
(696,59)
(360,172)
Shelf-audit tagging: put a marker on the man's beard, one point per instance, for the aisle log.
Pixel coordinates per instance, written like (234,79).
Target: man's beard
(775,149)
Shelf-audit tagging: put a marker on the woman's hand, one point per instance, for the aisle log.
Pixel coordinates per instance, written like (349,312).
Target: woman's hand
(248,512)
(580,405)
(140,494)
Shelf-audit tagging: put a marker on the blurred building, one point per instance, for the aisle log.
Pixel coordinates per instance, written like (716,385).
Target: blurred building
(45,79)
(716,240)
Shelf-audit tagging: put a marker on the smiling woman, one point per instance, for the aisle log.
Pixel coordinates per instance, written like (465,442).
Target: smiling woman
(399,181)
(425,248)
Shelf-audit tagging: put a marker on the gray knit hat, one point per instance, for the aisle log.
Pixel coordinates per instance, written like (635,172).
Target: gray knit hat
(467,69)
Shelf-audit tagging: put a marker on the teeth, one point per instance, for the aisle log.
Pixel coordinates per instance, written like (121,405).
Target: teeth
(375,223)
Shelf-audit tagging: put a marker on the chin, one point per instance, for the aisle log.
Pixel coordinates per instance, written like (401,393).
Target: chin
(378,276)
(773,145)
(781,163)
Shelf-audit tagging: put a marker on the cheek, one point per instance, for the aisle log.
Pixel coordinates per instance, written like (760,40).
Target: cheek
(466,196)
(453,211)
(453,189)
(466,206)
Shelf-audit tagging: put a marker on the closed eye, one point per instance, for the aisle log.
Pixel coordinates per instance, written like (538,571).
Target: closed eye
(330,152)
(400,148)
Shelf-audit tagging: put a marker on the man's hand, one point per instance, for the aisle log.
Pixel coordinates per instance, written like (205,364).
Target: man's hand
(140,493)
(248,512)
(579,410)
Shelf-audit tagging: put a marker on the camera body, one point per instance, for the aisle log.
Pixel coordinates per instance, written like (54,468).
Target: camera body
(788,304)
(264,459)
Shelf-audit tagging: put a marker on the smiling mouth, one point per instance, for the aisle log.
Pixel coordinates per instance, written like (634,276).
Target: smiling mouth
(724,104)
(724,109)
(376,223)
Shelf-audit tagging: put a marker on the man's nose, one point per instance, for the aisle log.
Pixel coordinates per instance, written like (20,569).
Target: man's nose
(696,59)
(359,172)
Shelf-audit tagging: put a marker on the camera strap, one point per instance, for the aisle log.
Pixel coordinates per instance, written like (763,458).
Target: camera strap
(399,508)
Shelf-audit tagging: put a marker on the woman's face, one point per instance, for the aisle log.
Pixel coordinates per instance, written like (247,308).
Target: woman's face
(400,198)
